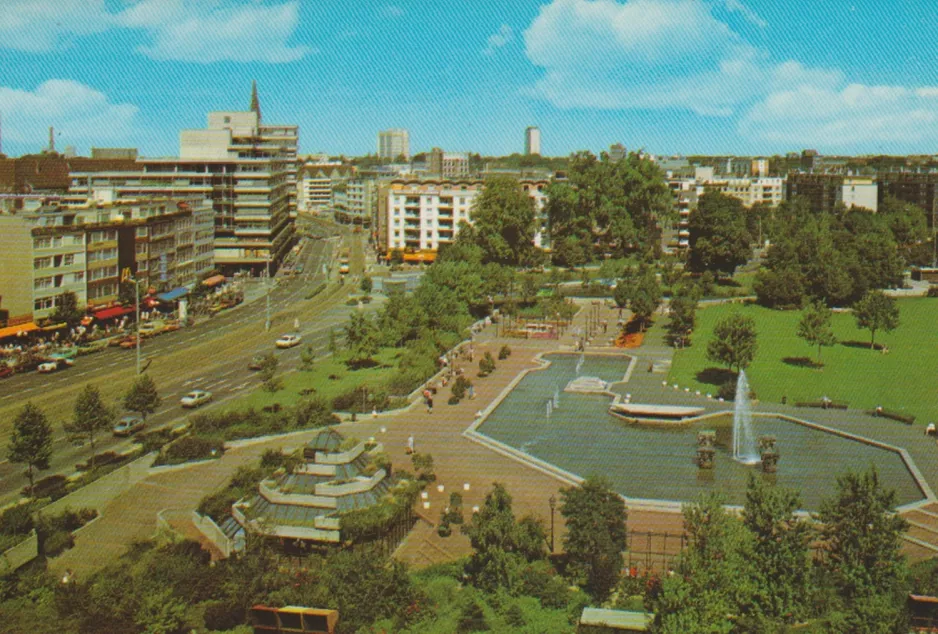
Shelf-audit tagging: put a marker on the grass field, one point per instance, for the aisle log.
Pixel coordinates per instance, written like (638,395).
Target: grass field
(905,379)
(319,380)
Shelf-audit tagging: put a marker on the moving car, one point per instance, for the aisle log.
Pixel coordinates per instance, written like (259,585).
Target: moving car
(147,329)
(256,363)
(289,341)
(54,364)
(195,398)
(128,425)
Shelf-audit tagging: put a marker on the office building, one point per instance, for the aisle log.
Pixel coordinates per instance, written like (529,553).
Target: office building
(394,143)
(164,243)
(448,164)
(316,183)
(913,188)
(532,141)
(246,167)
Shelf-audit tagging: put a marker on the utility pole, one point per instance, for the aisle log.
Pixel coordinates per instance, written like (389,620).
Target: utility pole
(137,304)
(267,322)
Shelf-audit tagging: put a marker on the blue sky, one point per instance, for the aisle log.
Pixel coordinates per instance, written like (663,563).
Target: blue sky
(672,76)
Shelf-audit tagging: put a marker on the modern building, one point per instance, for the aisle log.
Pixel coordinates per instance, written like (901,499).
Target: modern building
(246,167)
(768,191)
(913,188)
(356,200)
(760,168)
(860,192)
(423,215)
(394,143)
(306,505)
(164,243)
(824,191)
(316,183)
(532,141)
(448,164)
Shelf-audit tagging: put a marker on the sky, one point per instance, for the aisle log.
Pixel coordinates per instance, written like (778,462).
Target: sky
(750,77)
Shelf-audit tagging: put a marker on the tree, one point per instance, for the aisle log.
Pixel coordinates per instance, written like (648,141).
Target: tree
(361,339)
(333,347)
(142,396)
(719,240)
(91,416)
(682,316)
(307,356)
(595,516)
(780,551)
(504,222)
(876,311)
(622,292)
(31,441)
(529,288)
(645,296)
(366,284)
(268,372)
(863,538)
(66,309)
(815,327)
(734,342)
(499,546)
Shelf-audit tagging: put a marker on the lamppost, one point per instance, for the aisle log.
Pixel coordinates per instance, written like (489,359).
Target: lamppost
(552,501)
(267,322)
(137,306)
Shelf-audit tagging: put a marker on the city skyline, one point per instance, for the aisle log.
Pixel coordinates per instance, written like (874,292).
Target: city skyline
(670,76)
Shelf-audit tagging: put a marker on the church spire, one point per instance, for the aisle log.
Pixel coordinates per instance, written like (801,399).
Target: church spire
(255,102)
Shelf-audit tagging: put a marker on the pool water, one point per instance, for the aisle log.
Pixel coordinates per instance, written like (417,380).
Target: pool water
(657,462)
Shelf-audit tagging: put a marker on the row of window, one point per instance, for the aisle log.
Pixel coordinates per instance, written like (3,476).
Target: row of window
(103,254)
(103,236)
(102,273)
(104,290)
(58,280)
(48,242)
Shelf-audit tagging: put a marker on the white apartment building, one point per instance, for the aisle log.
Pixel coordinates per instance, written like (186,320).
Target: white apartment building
(357,197)
(532,140)
(861,192)
(316,182)
(422,215)
(394,143)
(769,191)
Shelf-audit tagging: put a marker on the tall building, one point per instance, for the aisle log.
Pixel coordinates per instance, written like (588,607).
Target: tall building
(394,143)
(617,152)
(246,167)
(532,140)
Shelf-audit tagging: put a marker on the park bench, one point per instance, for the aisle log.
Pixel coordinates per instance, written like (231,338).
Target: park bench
(823,404)
(879,412)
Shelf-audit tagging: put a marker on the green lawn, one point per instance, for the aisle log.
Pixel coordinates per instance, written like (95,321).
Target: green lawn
(904,379)
(319,379)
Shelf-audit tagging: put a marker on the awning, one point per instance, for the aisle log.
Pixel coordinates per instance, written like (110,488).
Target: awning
(215,280)
(12,331)
(116,311)
(173,295)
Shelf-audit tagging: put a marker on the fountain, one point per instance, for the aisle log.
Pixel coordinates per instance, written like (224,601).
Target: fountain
(744,442)
(556,397)
(579,363)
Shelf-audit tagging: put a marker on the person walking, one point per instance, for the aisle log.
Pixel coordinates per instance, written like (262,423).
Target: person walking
(430,405)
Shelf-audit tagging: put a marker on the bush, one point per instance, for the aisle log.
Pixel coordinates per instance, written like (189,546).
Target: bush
(70,520)
(56,543)
(154,440)
(472,618)
(453,400)
(504,353)
(486,364)
(539,580)
(218,505)
(101,459)
(313,413)
(932,291)
(727,391)
(514,616)
(444,529)
(221,616)
(17,520)
(460,386)
(50,487)
(190,448)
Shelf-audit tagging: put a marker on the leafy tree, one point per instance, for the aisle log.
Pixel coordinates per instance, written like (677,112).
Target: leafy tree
(268,373)
(595,516)
(645,297)
(142,397)
(780,551)
(815,327)
(682,316)
(734,342)
(863,537)
(622,292)
(91,417)
(366,284)
(780,288)
(719,240)
(499,546)
(505,222)
(876,311)
(333,347)
(31,441)
(361,339)
(66,309)
(307,356)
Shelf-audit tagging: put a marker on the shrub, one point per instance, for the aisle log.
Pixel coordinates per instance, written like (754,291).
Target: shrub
(17,520)
(313,413)
(154,440)
(57,543)
(190,448)
(222,616)
(539,580)
(486,364)
(504,353)
(472,618)
(453,400)
(932,291)
(444,529)
(101,459)
(514,616)
(218,505)
(727,391)
(246,477)
(70,520)
(460,386)
(50,487)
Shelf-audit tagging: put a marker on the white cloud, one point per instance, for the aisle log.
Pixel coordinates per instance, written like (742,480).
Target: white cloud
(26,25)
(81,114)
(498,39)
(390,11)
(201,31)
(844,115)
(735,6)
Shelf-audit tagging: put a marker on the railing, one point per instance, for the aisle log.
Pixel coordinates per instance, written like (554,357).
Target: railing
(276,496)
(358,486)
(345,457)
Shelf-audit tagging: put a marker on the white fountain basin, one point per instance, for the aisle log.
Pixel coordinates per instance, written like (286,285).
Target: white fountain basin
(663,413)
(587,385)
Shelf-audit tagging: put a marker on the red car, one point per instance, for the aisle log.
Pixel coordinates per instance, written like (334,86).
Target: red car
(5,371)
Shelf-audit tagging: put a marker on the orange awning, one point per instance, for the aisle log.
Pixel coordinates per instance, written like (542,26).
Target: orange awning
(12,331)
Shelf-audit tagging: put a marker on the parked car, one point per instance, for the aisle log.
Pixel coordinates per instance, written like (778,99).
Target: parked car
(5,371)
(54,364)
(128,425)
(289,341)
(120,341)
(256,363)
(130,341)
(148,328)
(195,398)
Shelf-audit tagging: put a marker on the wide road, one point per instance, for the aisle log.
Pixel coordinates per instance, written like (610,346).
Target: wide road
(212,356)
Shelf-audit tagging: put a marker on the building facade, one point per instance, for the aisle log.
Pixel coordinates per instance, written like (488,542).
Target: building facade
(394,143)
(316,183)
(532,140)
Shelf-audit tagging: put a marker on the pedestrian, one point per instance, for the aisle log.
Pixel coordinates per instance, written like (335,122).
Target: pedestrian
(296,324)
(410,445)
(429,406)
(472,392)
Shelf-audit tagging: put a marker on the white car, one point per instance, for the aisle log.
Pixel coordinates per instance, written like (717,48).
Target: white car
(289,341)
(195,398)
(128,425)
(55,364)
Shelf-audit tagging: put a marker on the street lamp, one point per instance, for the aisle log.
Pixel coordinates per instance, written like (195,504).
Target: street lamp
(267,322)
(137,305)
(552,501)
